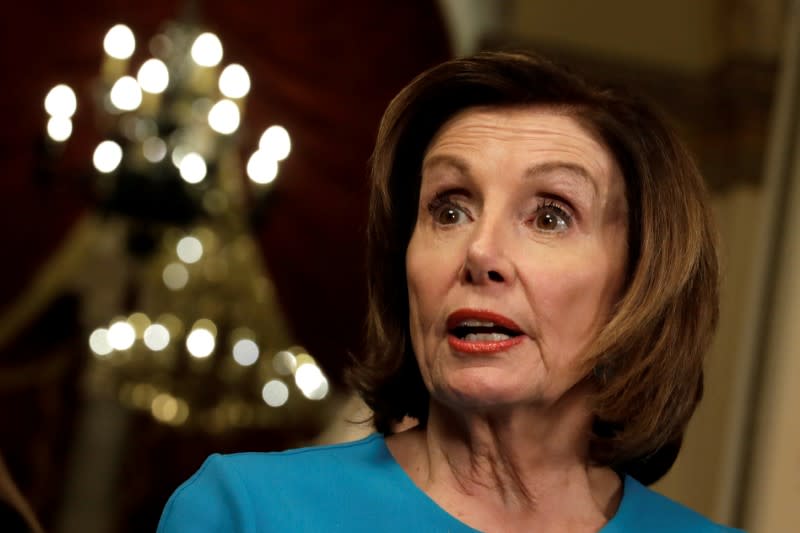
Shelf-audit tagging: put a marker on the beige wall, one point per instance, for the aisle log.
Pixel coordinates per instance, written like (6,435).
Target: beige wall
(774,487)
(709,461)
(679,34)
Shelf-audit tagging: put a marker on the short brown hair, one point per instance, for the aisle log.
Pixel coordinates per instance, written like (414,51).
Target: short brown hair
(648,358)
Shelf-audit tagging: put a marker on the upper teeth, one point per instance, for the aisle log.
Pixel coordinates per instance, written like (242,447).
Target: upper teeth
(471,323)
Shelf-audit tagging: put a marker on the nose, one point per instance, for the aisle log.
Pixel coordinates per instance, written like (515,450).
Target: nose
(486,261)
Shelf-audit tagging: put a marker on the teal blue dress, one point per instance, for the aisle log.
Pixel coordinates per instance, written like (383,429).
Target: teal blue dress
(358,487)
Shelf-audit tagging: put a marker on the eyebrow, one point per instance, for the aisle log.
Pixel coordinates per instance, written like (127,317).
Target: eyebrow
(446,160)
(571,168)
(545,167)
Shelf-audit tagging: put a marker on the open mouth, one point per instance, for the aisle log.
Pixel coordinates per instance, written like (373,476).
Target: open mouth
(482,331)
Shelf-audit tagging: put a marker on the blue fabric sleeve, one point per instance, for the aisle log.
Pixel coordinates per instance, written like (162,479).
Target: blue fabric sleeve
(213,499)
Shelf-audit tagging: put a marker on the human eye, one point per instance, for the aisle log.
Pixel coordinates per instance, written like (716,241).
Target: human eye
(446,211)
(550,216)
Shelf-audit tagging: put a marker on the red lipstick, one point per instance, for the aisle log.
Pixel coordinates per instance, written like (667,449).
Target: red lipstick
(461,317)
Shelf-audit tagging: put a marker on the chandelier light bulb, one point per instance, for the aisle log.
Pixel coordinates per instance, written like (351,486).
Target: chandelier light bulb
(206,324)
(107,156)
(234,82)
(275,393)
(156,337)
(61,101)
(59,128)
(311,382)
(154,149)
(224,117)
(121,335)
(178,153)
(275,143)
(200,343)
(175,276)
(189,249)
(207,50)
(153,76)
(193,168)
(119,42)
(261,168)
(284,363)
(98,342)
(126,95)
(245,352)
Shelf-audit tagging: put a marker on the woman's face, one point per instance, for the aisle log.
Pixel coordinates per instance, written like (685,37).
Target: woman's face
(517,256)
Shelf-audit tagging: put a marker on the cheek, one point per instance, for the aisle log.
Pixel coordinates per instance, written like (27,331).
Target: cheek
(415,274)
(429,266)
(573,299)
(419,286)
(418,281)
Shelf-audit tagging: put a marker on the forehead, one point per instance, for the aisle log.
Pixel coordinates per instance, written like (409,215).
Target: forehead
(530,134)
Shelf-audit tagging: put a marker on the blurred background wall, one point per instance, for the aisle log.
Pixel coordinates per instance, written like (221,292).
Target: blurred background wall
(97,441)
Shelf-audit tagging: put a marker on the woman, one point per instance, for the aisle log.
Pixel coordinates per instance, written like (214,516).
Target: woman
(543,285)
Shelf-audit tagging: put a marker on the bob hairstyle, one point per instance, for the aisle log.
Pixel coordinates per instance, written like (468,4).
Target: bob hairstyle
(647,360)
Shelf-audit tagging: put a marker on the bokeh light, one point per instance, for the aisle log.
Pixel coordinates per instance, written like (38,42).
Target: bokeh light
(99,343)
(154,149)
(59,128)
(107,156)
(284,363)
(224,117)
(234,82)
(275,143)
(119,42)
(156,337)
(245,352)
(142,394)
(175,276)
(189,249)
(206,324)
(61,101)
(121,335)
(275,393)
(311,382)
(193,168)
(153,76)
(169,409)
(139,321)
(261,168)
(172,323)
(126,94)
(178,153)
(207,50)
(200,342)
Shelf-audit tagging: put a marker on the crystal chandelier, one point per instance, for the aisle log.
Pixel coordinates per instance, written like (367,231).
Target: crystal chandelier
(196,336)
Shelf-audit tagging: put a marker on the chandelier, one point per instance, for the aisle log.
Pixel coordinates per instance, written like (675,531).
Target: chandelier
(182,319)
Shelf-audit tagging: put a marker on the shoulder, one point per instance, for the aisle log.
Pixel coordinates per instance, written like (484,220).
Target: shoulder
(203,500)
(643,509)
(303,465)
(234,492)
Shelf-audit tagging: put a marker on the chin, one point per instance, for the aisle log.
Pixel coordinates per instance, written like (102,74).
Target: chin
(483,392)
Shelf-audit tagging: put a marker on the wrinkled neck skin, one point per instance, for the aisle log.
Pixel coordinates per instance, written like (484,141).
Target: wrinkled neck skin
(512,469)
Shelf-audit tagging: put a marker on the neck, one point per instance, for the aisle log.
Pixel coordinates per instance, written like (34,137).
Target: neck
(527,462)
(517,453)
